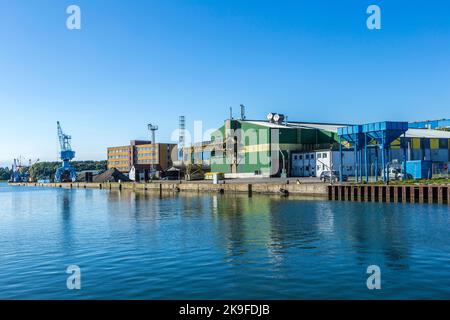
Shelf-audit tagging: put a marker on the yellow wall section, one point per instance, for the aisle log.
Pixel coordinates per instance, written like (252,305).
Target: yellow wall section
(416,143)
(395,144)
(434,143)
(266,147)
(257,148)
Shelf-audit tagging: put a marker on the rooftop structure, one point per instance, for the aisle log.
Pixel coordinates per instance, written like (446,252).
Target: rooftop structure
(431,124)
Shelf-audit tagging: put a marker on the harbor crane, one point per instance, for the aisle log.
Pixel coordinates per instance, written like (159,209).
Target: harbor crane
(21,172)
(15,171)
(66,172)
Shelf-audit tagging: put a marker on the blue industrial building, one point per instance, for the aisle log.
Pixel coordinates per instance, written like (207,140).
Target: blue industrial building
(378,136)
(431,124)
(380,146)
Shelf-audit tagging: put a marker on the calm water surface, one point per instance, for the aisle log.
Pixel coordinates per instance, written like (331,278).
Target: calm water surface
(140,246)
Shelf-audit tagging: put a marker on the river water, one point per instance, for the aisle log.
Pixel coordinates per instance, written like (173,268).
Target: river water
(135,245)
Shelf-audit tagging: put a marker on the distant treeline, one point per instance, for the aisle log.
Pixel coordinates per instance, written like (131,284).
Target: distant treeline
(5,173)
(46,170)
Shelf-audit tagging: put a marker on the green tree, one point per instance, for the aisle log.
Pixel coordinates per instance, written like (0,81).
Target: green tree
(46,170)
(5,174)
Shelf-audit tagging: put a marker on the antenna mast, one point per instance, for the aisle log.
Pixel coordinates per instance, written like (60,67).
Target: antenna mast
(242,112)
(153,129)
(181,137)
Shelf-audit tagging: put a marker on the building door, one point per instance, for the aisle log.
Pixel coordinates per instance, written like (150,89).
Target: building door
(305,165)
(297,165)
(309,165)
(312,164)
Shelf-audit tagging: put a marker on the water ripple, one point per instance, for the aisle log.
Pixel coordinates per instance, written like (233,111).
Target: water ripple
(132,245)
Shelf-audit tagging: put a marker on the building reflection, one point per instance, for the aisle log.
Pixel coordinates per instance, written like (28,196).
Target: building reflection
(65,199)
(373,233)
(269,227)
(376,233)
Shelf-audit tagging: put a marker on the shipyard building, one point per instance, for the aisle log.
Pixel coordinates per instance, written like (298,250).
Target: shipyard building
(277,147)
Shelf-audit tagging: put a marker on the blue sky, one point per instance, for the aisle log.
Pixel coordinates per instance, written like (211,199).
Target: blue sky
(135,62)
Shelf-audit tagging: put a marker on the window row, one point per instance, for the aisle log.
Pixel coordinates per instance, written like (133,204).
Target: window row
(118,150)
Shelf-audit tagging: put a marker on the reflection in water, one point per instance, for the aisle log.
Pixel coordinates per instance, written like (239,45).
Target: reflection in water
(279,224)
(373,229)
(65,200)
(395,246)
(210,246)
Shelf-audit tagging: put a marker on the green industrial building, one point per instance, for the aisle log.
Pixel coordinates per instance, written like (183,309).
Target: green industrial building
(247,148)
(276,147)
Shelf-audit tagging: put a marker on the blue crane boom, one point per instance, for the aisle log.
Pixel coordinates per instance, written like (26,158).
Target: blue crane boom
(66,155)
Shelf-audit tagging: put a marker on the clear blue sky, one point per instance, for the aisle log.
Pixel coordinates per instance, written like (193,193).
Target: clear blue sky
(136,62)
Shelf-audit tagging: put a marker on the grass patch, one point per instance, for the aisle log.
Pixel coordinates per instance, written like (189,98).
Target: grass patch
(408,182)
(424,181)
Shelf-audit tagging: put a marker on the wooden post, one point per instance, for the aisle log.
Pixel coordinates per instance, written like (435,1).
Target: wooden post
(403,194)
(396,194)
(448,194)
(380,193)
(430,194)
(440,195)
(358,193)
(421,197)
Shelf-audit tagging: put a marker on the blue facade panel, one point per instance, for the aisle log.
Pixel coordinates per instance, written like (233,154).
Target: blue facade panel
(419,169)
(350,130)
(432,124)
(385,126)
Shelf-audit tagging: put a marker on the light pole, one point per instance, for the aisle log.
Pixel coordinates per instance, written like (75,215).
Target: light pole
(283,171)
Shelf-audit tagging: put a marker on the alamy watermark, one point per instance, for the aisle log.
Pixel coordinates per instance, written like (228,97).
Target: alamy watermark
(374,280)
(232,146)
(73,281)
(374,20)
(73,21)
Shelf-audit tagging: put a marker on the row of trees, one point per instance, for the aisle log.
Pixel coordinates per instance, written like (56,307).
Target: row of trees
(46,170)
(5,174)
